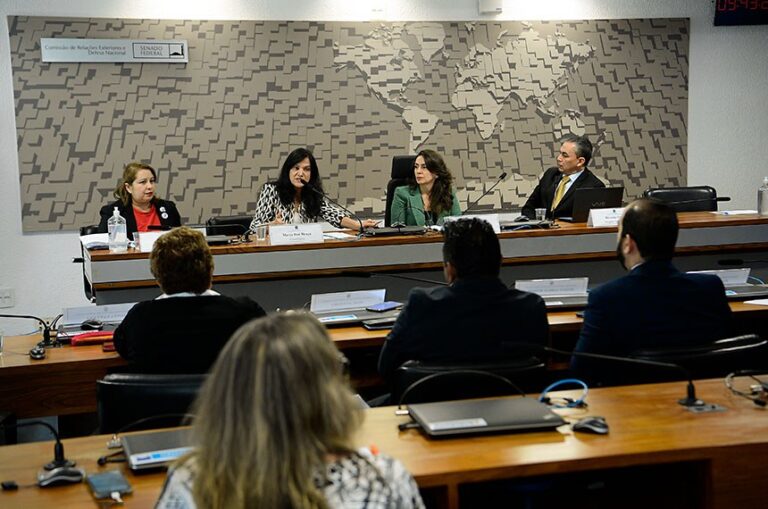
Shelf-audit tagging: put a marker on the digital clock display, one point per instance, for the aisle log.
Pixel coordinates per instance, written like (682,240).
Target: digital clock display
(741,12)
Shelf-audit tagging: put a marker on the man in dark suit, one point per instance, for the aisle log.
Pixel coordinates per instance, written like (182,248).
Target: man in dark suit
(655,305)
(555,189)
(183,330)
(472,317)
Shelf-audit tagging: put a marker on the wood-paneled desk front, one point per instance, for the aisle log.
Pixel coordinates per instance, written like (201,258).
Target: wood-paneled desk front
(63,383)
(288,275)
(718,459)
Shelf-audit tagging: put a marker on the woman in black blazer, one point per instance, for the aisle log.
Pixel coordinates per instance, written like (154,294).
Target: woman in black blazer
(138,204)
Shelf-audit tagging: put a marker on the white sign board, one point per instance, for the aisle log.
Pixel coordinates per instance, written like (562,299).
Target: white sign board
(493,219)
(310,233)
(346,301)
(604,217)
(560,287)
(113,50)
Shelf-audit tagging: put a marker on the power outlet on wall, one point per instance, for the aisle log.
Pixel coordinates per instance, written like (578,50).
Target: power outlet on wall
(7,298)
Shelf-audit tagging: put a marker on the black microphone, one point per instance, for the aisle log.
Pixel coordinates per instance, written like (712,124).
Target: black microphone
(738,261)
(314,189)
(689,401)
(46,342)
(350,273)
(58,449)
(498,181)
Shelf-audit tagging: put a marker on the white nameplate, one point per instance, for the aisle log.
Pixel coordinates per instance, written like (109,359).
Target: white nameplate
(729,277)
(284,234)
(604,217)
(113,50)
(344,301)
(147,240)
(559,287)
(109,313)
(493,219)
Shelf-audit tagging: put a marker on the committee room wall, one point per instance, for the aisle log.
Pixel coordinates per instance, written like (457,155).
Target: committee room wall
(727,110)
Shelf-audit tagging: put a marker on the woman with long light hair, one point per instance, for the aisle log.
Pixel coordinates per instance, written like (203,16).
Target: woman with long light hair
(274,428)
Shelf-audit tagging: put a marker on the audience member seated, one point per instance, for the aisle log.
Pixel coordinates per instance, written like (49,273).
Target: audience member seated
(274,427)
(289,200)
(138,204)
(474,316)
(429,198)
(655,305)
(183,330)
(555,189)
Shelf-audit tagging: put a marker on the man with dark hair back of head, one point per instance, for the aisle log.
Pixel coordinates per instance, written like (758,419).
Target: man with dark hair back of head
(555,189)
(655,305)
(472,317)
(182,330)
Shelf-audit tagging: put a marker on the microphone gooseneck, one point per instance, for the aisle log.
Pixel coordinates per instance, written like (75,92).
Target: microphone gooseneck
(58,448)
(46,342)
(486,193)
(350,273)
(314,189)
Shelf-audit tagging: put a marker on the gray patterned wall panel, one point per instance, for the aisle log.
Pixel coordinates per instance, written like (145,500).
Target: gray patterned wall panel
(490,96)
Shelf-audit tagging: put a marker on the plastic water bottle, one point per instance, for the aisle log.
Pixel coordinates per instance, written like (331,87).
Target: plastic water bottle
(118,233)
(762,198)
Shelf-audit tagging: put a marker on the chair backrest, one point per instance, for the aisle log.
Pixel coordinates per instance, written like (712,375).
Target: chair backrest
(402,170)
(423,382)
(89,229)
(685,199)
(228,225)
(708,360)
(125,398)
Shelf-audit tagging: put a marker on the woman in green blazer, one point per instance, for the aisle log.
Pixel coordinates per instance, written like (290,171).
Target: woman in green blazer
(429,198)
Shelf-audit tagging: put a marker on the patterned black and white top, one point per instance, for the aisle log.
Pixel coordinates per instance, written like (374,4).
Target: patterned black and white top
(269,205)
(360,480)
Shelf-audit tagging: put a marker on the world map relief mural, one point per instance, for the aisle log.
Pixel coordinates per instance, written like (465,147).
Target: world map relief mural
(492,97)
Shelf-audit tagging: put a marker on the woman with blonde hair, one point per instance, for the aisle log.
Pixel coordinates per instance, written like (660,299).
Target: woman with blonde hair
(275,425)
(137,203)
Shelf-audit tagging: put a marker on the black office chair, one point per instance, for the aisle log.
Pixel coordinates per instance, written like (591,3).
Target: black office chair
(228,225)
(685,199)
(708,360)
(125,398)
(402,170)
(420,382)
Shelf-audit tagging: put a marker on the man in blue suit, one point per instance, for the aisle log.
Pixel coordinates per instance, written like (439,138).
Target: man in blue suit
(655,305)
(474,316)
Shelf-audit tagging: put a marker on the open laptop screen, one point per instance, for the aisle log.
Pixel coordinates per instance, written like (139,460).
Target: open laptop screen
(587,198)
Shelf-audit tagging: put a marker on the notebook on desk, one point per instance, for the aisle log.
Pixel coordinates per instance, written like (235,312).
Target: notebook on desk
(495,415)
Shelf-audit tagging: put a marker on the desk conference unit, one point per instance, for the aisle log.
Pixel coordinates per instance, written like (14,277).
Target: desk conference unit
(287,276)
(711,460)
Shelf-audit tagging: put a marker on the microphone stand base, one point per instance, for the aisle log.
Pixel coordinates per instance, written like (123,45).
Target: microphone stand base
(698,406)
(59,463)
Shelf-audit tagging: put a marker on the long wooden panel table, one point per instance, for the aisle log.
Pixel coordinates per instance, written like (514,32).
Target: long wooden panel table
(717,460)
(64,382)
(293,273)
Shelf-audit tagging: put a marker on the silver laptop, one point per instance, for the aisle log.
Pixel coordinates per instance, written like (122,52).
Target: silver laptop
(588,198)
(355,317)
(155,449)
(473,416)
